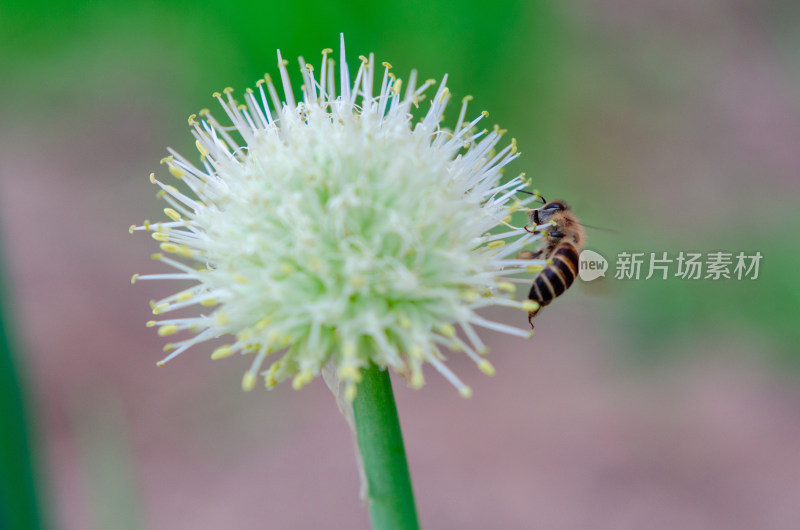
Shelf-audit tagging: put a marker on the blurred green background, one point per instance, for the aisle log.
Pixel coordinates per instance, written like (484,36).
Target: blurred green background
(672,126)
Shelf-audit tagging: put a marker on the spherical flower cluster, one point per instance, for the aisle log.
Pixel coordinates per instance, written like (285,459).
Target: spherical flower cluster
(337,229)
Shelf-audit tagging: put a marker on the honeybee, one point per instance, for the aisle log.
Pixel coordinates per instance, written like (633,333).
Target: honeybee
(564,240)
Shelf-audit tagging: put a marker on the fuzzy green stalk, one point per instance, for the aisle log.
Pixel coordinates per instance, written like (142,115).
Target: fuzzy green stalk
(389,495)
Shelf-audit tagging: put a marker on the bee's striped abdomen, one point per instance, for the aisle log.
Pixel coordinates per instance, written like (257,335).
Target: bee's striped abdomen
(556,278)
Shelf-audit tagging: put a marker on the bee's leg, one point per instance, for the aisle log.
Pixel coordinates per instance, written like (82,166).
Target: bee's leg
(532,314)
(529,254)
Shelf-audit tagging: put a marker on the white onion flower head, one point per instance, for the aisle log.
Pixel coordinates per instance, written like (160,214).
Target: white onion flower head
(337,229)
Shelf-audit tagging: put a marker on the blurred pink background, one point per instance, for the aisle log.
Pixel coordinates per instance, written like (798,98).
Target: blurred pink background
(677,109)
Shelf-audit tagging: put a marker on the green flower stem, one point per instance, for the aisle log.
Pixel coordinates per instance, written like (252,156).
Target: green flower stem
(18,502)
(389,494)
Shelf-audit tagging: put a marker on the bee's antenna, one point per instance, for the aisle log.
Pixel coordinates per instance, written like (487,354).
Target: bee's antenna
(593,227)
(535,194)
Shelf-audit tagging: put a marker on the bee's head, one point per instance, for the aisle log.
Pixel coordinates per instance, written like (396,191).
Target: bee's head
(545,213)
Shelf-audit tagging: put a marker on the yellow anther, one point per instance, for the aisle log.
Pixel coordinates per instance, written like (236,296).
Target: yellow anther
(513,145)
(302,379)
(396,86)
(156,256)
(507,219)
(417,380)
(241,107)
(209,302)
(507,287)
(131,229)
(534,268)
(447,330)
(469,296)
(269,380)
(386,65)
(167,347)
(363,59)
(158,309)
(268,78)
(496,244)
(227,89)
(152,178)
(283,62)
(326,51)
(204,112)
(222,352)
(350,372)
(221,318)
(465,391)
(248,90)
(216,95)
(160,236)
(150,323)
(172,214)
(466,99)
(350,393)
(181,250)
(176,172)
(192,119)
(249,381)
(431,81)
(530,306)
(444,95)
(184,296)
(169,329)
(485,113)
(550,261)
(486,367)
(202,150)
(310,67)
(240,278)
(134,278)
